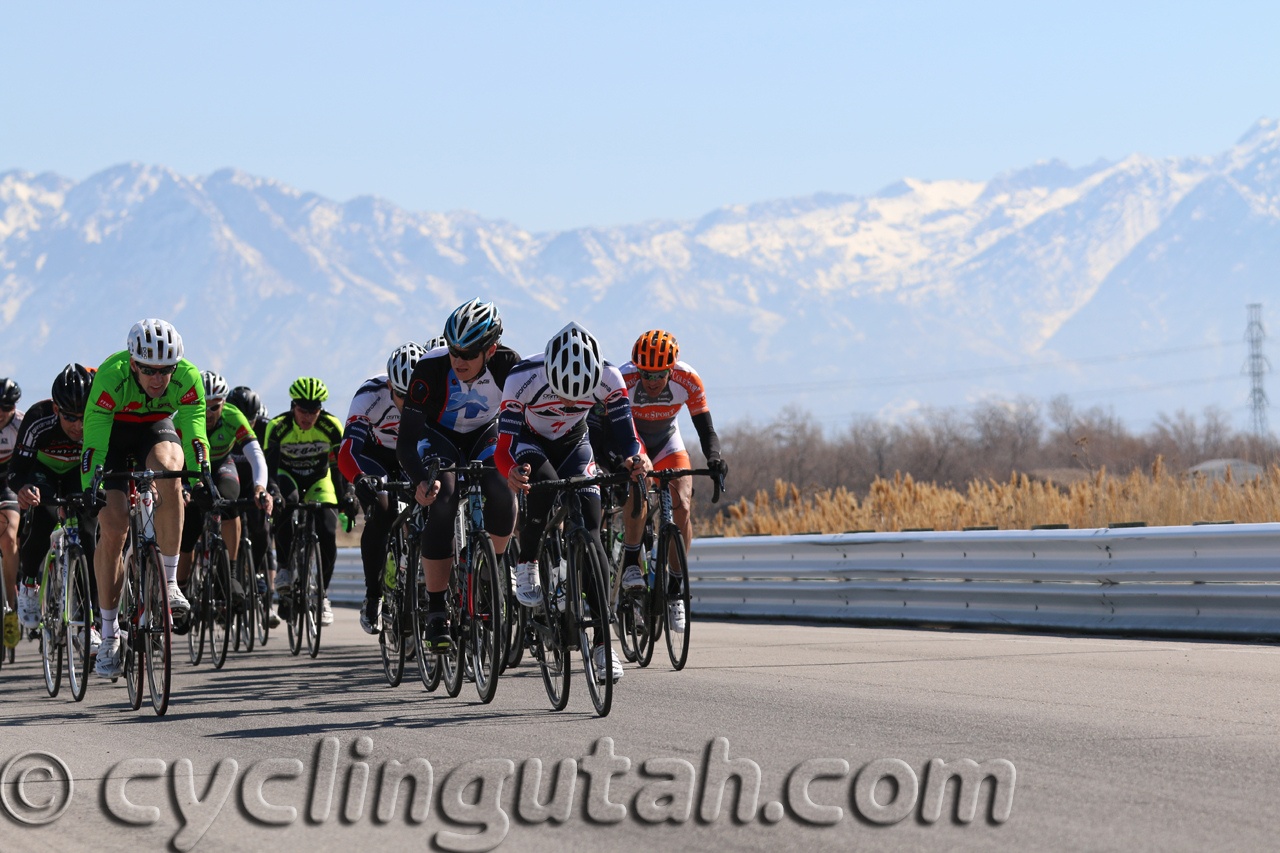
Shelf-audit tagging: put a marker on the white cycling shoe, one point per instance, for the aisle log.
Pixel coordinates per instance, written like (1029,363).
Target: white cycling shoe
(326,613)
(675,616)
(632,578)
(28,605)
(613,664)
(528,587)
(178,604)
(109,664)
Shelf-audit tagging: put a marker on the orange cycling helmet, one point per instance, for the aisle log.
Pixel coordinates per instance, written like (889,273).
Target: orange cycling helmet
(655,350)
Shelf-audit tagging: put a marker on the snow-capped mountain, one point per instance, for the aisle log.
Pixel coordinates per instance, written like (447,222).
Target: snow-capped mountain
(928,291)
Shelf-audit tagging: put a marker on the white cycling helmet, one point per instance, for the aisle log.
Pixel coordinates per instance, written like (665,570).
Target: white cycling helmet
(573,363)
(215,387)
(155,343)
(436,342)
(400,366)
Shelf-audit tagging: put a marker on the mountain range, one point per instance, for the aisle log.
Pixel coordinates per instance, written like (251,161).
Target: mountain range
(1122,283)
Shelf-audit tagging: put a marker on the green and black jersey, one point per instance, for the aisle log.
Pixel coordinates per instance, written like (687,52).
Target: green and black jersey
(308,457)
(232,432)
(43,447)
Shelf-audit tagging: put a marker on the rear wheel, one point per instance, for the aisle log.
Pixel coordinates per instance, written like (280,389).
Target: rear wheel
(157,631)
(51,633)
(675,573)
(197,624)
(515,618)
(80,625)
(488,599)
(220,610)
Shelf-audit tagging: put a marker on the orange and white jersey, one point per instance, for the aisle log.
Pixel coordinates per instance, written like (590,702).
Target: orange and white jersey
(655,417)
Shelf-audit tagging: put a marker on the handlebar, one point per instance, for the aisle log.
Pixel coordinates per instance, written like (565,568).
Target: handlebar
(717,479)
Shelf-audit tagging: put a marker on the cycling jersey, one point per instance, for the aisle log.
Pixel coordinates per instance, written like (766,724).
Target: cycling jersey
(369,438)
(42,443)
(655,417)
(232,432)
(306,456)
(458,411)
(8,442)
(116,396)
(530,406)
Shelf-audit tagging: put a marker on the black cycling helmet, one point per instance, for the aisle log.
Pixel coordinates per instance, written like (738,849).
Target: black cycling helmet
(248,402)
(71,388)
(10,393)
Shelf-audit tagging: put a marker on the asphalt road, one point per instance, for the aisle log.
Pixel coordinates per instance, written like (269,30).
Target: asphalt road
(1115,744)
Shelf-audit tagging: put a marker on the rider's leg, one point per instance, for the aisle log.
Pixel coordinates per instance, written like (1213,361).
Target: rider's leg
(500,509)
(437,539)
(9,554)
(681,504)
(167,456)
(113,526)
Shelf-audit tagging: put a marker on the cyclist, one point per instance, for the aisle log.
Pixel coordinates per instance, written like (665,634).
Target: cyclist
(302,465)
(543,436)
(228,429)
(368,459)
(146,406)
(10,421)
(451,415)
(658,384)
(250,405)
(45,464)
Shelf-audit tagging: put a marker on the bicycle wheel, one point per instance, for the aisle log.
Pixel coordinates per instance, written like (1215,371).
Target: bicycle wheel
(391,637)
(313,600)
(589,609)
(429,667)
(221,611)
(647,616)
(197,624)
(157,628)
(514,617)
(550,643)
(248,600)
(488,599)
(80,622)
(671,546)
(51,633)
(130,631)
(265,572)
(297,614)
(452,661)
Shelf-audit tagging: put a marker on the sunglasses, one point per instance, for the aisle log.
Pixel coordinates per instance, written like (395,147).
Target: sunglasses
(309,408)
(71,419)
(654,375)
(8,408)
(465,355)
(157,371)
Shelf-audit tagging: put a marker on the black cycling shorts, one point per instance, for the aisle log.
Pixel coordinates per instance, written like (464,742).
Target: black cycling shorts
(130,445)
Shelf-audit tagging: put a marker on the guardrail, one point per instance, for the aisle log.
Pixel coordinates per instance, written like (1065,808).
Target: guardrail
(1207,581)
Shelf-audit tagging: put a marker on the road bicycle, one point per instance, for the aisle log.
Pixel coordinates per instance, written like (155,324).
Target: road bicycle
(575,597)
(66,602)
(146,626)
(306,594)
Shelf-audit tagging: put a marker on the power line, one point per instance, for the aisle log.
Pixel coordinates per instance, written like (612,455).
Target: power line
(1256,366)
(950,376)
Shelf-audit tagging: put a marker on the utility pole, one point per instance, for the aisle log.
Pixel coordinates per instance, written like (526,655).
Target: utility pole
(1257,365)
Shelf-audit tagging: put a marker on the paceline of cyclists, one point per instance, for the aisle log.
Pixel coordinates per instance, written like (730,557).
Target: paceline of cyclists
(461,398)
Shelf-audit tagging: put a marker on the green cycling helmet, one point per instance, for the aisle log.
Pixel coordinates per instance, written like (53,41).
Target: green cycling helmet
(308,389)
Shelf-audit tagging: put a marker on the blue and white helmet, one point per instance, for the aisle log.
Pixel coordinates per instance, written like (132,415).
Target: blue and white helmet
(473,326)
(400,366)
(573,363)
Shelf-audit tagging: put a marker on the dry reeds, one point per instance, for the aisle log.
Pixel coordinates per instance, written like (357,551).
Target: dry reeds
(1156,497)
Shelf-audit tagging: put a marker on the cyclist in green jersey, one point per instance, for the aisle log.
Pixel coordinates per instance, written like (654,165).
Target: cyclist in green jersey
(146,407)
(302,464)
(228,430)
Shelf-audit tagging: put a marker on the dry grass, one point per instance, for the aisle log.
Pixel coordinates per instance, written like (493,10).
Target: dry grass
(1157,497)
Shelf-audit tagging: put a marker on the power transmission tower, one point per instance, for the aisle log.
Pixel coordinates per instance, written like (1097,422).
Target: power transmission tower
(1257,365)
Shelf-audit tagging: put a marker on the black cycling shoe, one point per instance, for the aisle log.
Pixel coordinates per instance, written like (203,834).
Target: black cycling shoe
(182,624)
(438,639)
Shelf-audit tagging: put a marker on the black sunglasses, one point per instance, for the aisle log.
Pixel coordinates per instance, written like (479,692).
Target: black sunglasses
(465,355)
(157,371)
(70,418)
(8,407)
(654,375)
(309,408)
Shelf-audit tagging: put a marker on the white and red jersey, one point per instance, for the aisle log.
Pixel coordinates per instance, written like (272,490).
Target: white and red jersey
(530,406)
(373,425)
(9,440)
(655,417)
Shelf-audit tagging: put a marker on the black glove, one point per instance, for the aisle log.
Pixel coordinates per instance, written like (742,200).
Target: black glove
(347,502)
(94,500)
(201,496)
(718,466)
(367,487)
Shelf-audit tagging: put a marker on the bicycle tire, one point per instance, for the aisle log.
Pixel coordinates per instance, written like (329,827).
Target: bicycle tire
(51,624)
(648,610)
(589,608)
(672,543)
(488,598)
(79,623)
(298,560)
(220,611)
(247,611)
(515,617)
(196,622)
(429,668)
(452,663)
(130,635)
(391,636)
(266,574)
(314,598)
(158,630)
(550,643)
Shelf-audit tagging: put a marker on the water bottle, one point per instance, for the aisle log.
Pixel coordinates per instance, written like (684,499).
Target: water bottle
(389,573)
(559,572)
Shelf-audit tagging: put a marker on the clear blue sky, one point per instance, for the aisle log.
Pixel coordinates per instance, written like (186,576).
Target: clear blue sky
(556,115)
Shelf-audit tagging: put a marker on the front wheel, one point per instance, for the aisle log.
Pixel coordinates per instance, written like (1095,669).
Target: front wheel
(313,600)
(80,622)
(453,661)
(673,580)
(589,608)
(219,608)
(488,600)
(550,645)
(131,630)
(157,629)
